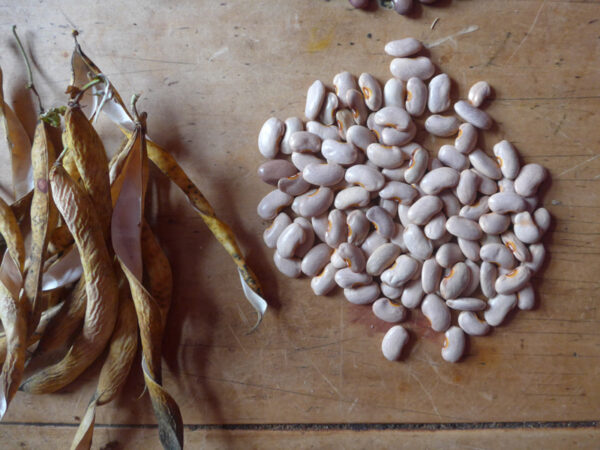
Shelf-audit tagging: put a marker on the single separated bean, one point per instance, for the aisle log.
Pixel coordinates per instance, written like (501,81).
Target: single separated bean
(315,202)
(473,115)
(416,96)
(431,273)
(416,165)
(466,190)
(508,159)
(471,324)
(525,228)
(394,341)
(388,311)
(316,259)
(529,179)
(403,47)
(314,100)
(436,311)
(488,272)
(439,93)
(484,164)
(272,171)
(479,92)
(454,344)
(272,203)
(443,126)
(407,68)
(362,295)
(526,297)
(439,179)
(290,238)
(498,308)
(270,136)
(398,191)
(371,91)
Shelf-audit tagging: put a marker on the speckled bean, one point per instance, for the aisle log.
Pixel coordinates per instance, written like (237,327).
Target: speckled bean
(316,259)
(270,136)
(272,203)
(402,48)
(472,325)
(347,278)
(416,242)
(473,115)
(407,68)
(361,137)
(315,202)
(314,100)
(436,311)
(353,255)
(448,255)
(403,269)
(529,179)
(439,93)
(352,197)
(466,140)
(371,91)
(323,283)
(287,266)
(494,223)
(498,308)
(362,295)
(343,82)
(381,258)
(394,341)
(412,294)
(454,344)
(513,281)
(416,97)
(455,282)
(443,126)
(439,179)
(337,229)
(507,202)
(388,311)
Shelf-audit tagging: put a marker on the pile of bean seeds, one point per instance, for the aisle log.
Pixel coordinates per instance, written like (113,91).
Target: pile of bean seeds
(395,227)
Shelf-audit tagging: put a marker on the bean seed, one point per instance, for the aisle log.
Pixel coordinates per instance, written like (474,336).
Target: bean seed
(473,115)
(412,294)
(308,243)
(479,92)
(271,234)
(439,179)
(343,82)
(403,269)
(329,109)
(393,93)
(382,257)
(315,202)
(289,240)
(454,344)
(457,280)
(403,47)
(390,206)
(316,259)
(436,227)
(529,179)
(515,245)
(323,131)
(272,203)
(394,340)
(314,100)
(388,311)
(337,261)
(393,116)
(542,219)
(292,124)
(361,137)
(416,165)
(476,210)
(272,171)
(473,278)
(443,126)
(288,266)
(320,225)
(424,209)
(439,93)
(362,295)
(367,177)
(484,164)
(494,223)
(466,140)
(407,68)
(372,243)
(538,253)
(294,185)
(526,297)
(498,254)
(371,91)
(356,103)
(270,136)
(507,158)
(506,185)
(358,227)
(469,248)
(513,281)
(301,160)
(323,283)
(487,279)
(448,255)
(466,190)
(487,186)
(416,242)
(337,229)
(323,174)
(471,324)
(398,191)
(506,202)
(390,291)
(464,228)
(451,203)
(352,197)
(339,152)
(416,97)
(436,311)
(466,304)
(451,157)
(431,273)
(353,255)
(344,120)
(393,136)
(525,228)
(381,220)
(498,308)
(347,278)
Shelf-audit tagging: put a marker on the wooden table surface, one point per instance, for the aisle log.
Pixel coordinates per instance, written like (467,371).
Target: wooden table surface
(312,375)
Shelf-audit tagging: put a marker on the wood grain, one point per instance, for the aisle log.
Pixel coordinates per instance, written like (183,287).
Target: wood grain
(210,74)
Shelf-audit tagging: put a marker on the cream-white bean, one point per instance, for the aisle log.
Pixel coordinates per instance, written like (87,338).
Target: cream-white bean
(352,197)
(412,294)
(320,224)
(466,140)
(353,255)
(273,170)
(498,254)
(347,278)
(371,90)
(456,281)
(361,137)
(362,295)
(484,164)
(451,157)
(443,126)
(402,48)
(337,261)
(529,179)
(272,204)
(271,234)
(507,202)
(513,281)
(393,116)
(315,202)
(390,206)
(373,241)
(498,308)
(398,191)
(507,158)
(525,228)
(473,278)
(472,325)
(339,152)
(439,179)
(466,304)
(288,266)
(301,160)
(416,165)
(448,255)
(436,227)
(393,136)
(393,342)
(323,283)
(356,103)
(436,311)
(526,297)
(488,272)
(314,100)
(466,190)
(358,227)
(323,131)
(494,223)
(407,68)
(388,311)
(473,115)
(316,259)
(514,244)
(293,185)
(416,97)
(424,209)
(476,210)
(329,109)
(309,233)
(487,186)
(328,174)
(469,248)
(292,124)
(451,203)
(439,93)
(367,177)
(290,238)
(393,93)
(344,120)
(542,219)
(403,214)
(403,269)
(538,254)
(381,220)
(479,92)
(391,292)
(385,156)
(454,344)
(270,136)
(398,237)
(343,82)
(337,229)
(431,274)
(464,228)
(381,258)
(418,245)
(506,185)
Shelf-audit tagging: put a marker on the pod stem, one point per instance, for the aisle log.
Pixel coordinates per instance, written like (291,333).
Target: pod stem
(30,84)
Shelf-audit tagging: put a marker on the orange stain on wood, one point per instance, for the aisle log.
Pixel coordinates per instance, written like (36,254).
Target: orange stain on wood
(317,41)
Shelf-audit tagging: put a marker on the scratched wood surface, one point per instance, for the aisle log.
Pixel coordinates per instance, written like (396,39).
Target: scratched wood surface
(210,74)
